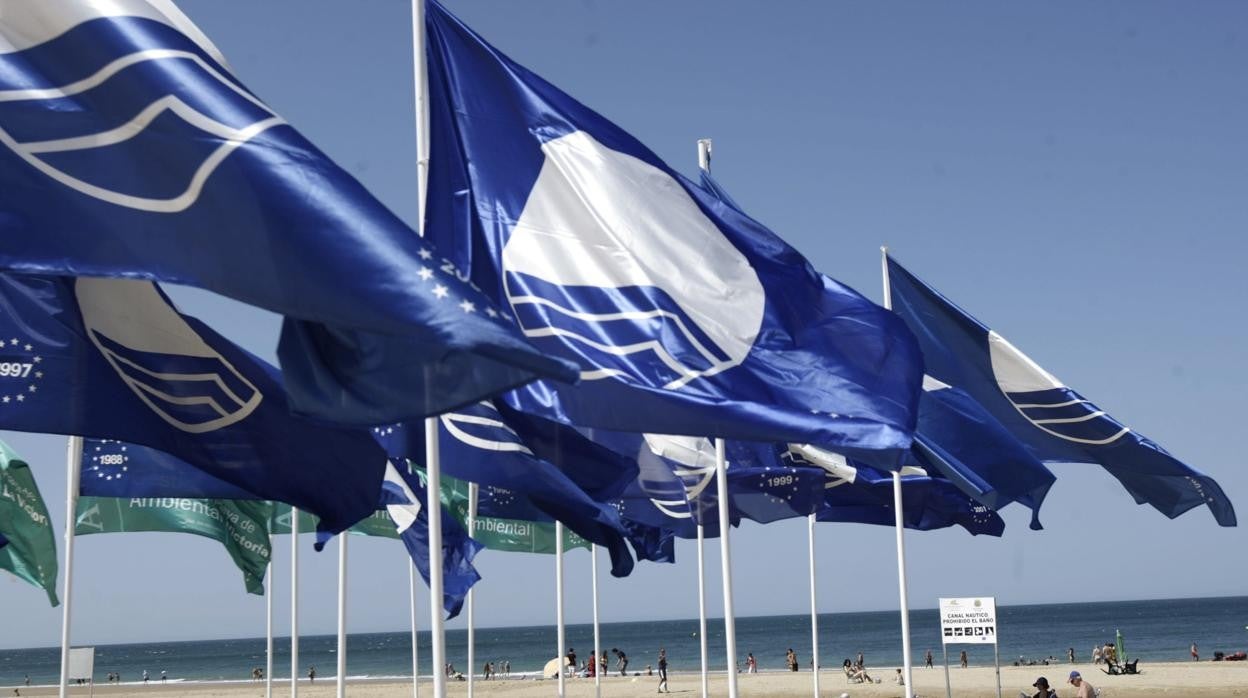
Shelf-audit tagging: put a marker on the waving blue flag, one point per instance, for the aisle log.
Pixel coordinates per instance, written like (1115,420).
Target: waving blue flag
(479,445)
(112,468)
(1055,423)
(112,358)
(128,148)
(685,315)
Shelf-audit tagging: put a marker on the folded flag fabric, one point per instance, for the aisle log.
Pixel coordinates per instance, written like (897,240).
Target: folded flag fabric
(128,148)
(114,359)
(239,525)
(684,315)
(506,520)
(27,542)
(1055,423)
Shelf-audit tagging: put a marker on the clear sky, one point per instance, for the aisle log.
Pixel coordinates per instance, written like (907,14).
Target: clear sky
(1074,174)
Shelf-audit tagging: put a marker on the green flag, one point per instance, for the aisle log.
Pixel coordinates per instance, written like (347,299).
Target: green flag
(24,520)
(379,524)
(508,535)
(240,525)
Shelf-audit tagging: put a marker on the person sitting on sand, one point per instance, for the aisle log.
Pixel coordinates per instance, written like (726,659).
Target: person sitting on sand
(1042,689)
(899,679)
(1083,689)
(856,673)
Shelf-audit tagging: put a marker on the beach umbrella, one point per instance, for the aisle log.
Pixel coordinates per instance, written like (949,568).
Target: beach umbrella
(1122,654)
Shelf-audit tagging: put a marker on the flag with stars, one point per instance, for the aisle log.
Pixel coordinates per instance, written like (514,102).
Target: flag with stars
(114,359)
(506,521)
(481,444)
(683,314)
(27,542)
(112,468)
(129,148)
(1050,419)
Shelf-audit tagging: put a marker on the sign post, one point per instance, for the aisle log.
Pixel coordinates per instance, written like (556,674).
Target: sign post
(969,621)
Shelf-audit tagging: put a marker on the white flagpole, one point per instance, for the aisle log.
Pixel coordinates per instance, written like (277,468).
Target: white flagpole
(814,613)
(706,679)
(73,471)
(268,625)
(559,631)
(730,622)
(433,503)
(342,614)
(294,602)
(593,585)
(473,490)
(411,587)
(900,526)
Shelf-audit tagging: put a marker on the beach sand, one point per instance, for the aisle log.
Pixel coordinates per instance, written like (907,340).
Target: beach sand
(1201,680)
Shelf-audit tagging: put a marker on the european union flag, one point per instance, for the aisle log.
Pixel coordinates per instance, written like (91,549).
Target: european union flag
(113,358)
(112,468)
(480,445)
(128,148)
(1055,423)
(684,314)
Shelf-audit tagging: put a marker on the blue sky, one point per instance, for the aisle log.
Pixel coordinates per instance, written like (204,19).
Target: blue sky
(1073,174)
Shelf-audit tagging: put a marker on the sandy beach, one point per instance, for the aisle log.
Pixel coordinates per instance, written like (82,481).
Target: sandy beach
(1202,680)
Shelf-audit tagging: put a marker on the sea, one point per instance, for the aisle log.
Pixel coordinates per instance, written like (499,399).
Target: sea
(1153,631)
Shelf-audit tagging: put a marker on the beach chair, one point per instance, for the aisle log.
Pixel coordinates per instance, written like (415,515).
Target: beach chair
(1131,667)
(852,676)
(1113,669)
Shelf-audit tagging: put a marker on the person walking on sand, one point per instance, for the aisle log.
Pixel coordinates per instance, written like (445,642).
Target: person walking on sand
(751,664)
(663,671)
(927,660)
(1195,653)
(1096,655)
(1083,689)
(861,663)
(145,677)
(790,659)
(1070,655)
(311,674)
(164,678)
(621,661)
(962,659)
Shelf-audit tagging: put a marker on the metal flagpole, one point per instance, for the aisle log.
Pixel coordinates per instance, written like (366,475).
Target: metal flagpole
(411,586)
(433,506)
(730,622)
(73,471)
(472,640)
(900,526)
(294,602)
(593,585)
(268,626)
(814,613)
(948,689)
(559,630)
(342,614)
(706,680)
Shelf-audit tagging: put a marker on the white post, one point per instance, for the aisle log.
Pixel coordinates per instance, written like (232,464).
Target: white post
(814,608)
(593,587)
(294,602)
(900,526)
(342,614)
(559,630)
(472,624)
(73,471)
(730,622)
(421,76)
(411,587)
(433,504)
(706,679)
(268,626)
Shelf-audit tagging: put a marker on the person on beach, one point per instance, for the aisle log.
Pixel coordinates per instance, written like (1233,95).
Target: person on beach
(663,671)
(311,674)
(1083,689)
(145,677)
(1070,655)
(790,659)
(962,659)
(1042,689)
(927,660)
(751,664)
(1195,653)
(621,661)
(571,657)
(862,664)
(26,680)
(164,678)
(899,679)
(486,671)
(591,667)
(507,667)
(1096,655)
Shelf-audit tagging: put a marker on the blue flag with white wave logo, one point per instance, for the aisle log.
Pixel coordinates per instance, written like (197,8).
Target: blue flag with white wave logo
(685,315)
(1055,423)
(480,445)
(113,358)
(128,148)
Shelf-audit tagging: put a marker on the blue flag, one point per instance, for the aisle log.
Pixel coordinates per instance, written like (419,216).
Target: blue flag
(112,468)
(128,148)
(1055,423)
(685,315)
(479,445)
(112,358)
(859,493)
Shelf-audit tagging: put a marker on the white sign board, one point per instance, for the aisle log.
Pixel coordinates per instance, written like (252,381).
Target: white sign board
(969,621)
(81,663)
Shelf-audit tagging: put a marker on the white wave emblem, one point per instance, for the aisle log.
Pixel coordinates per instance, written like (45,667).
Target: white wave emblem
(161,358)
(126,127)
(695,459)
(483,428)
(649,287)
